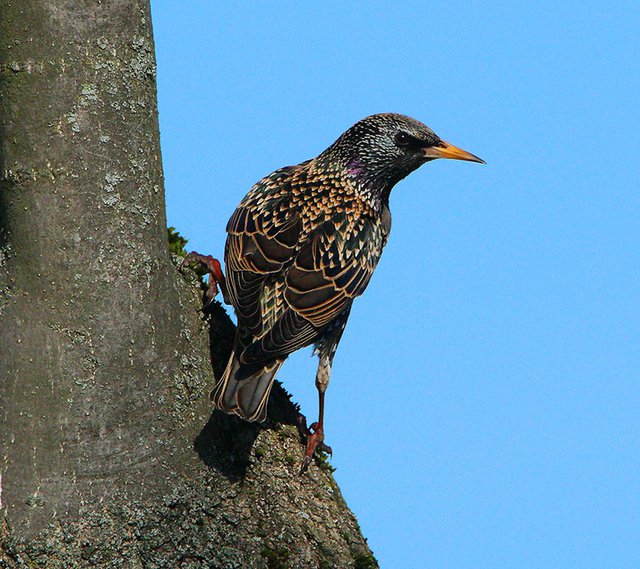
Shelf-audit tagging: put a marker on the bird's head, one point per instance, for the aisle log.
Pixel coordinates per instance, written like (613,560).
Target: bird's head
(380,150)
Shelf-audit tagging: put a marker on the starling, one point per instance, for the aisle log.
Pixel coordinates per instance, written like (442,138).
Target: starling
(302,245)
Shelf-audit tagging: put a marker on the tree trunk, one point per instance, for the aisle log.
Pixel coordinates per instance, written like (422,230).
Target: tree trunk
(110,456)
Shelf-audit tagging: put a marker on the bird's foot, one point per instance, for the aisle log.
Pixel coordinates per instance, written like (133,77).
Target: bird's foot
(216,277)
(315,442)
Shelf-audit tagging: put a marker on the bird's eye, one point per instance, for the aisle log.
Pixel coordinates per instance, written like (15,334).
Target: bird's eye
(402,139)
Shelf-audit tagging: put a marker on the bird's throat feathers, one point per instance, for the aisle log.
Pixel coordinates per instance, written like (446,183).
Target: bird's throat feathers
(373,182)
(368,160)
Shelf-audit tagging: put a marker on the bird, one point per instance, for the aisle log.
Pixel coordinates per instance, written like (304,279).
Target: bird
(302,246)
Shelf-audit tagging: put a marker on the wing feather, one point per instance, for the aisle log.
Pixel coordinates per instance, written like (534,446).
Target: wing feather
(262,236)
(333,268)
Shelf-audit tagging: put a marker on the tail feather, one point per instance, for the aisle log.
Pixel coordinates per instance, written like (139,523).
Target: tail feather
(244,389)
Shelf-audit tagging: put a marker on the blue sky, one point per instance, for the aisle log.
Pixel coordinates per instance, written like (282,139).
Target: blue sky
(484,408)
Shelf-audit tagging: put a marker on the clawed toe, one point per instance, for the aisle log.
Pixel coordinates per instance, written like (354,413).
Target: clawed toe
(315,442)
(216,277)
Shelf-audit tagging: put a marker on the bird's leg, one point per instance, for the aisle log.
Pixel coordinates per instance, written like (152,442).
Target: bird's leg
(315,433)
(216,277)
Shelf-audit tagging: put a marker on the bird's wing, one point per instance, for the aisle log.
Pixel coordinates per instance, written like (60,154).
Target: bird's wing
(334,267)
(330,270)
(263,233)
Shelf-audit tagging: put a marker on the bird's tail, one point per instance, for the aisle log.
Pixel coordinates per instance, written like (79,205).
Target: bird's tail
(244,389)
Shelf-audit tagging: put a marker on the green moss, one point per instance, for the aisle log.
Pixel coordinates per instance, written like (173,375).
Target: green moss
(276,558)
(364,561)
(177,242)
(322,460)
(177,246)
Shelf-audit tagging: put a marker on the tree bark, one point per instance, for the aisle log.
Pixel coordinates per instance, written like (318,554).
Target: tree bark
(110,456)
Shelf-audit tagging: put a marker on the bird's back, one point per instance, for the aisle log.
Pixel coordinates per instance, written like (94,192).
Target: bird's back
(294,213)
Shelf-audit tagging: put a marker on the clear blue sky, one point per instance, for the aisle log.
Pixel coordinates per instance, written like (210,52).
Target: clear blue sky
(484,408)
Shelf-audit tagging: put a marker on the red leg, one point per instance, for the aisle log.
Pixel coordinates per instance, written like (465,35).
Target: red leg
(315,433)
(216,277)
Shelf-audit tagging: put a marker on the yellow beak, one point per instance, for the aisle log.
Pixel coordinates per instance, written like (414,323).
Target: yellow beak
(446,150)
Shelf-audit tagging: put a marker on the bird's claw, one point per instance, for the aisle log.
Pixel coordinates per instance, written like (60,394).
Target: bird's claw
(305,465)
(315,442)
(216,277)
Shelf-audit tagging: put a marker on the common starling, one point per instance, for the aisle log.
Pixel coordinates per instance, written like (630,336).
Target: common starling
(302,245)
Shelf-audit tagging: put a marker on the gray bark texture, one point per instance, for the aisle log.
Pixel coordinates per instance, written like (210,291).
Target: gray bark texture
(110,456)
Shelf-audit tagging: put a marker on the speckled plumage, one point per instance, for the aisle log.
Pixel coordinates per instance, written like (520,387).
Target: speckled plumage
(303,244)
